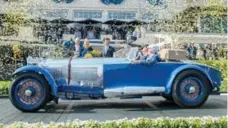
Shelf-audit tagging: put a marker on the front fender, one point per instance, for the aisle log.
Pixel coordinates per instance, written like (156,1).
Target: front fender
(39,70)
(180,69)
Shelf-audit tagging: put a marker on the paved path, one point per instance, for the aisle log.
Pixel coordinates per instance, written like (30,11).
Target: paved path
(102,110)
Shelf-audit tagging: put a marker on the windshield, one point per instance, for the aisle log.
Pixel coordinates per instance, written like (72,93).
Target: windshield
(132,53)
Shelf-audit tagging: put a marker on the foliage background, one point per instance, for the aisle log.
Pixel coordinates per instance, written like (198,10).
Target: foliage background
(221,65)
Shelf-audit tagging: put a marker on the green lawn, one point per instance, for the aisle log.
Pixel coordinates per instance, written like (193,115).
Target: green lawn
(224,86)
(4,88)
(4,84)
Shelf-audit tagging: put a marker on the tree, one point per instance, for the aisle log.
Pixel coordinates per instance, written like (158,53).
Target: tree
(18,13)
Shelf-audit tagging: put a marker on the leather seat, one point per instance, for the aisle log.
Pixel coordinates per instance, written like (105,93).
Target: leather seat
(172,54)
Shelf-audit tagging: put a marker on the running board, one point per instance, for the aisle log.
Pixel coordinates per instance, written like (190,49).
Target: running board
(130,91)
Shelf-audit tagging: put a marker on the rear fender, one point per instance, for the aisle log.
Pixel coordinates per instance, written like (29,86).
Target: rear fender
(41,71)
(179,70)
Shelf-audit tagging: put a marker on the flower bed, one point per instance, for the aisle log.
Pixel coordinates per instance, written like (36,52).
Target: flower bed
(203,122)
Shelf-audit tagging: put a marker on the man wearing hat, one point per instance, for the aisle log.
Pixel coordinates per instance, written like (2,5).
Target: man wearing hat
(142,53)
(152,56)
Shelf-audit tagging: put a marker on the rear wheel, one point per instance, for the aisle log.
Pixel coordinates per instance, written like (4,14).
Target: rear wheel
(191,89)
(29,92)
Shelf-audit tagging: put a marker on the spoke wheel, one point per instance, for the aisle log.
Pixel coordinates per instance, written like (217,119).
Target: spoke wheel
(191,89)
(29,92)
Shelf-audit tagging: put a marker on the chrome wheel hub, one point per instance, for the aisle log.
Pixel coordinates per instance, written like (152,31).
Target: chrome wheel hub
(28,92)
(192,89)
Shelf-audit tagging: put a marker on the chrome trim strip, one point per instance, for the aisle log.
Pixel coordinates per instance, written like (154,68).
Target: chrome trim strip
(116,92)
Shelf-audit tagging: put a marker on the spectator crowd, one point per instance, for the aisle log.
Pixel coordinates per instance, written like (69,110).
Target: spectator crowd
(193,51)
(48,32)
(117,32)
(206,51)
(76,49)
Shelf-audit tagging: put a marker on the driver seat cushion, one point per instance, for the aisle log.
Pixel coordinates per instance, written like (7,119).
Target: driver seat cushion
(172,54)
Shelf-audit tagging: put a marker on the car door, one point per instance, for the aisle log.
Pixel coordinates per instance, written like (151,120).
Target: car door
(126,75)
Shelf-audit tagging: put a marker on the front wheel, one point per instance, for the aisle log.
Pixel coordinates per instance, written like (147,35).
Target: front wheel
(191,89)
(29,92)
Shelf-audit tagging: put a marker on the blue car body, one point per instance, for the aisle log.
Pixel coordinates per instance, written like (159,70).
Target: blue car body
(114,77)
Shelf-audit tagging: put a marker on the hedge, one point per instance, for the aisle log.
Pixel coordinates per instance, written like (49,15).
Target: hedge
(196,122)
(4,91)
(221,65)
(13,56)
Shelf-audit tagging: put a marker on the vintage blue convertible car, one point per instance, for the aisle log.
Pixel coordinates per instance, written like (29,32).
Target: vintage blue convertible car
(188,84)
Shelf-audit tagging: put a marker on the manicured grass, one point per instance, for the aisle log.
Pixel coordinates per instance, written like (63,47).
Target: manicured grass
(224,86)
(4,84)
(4,88)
